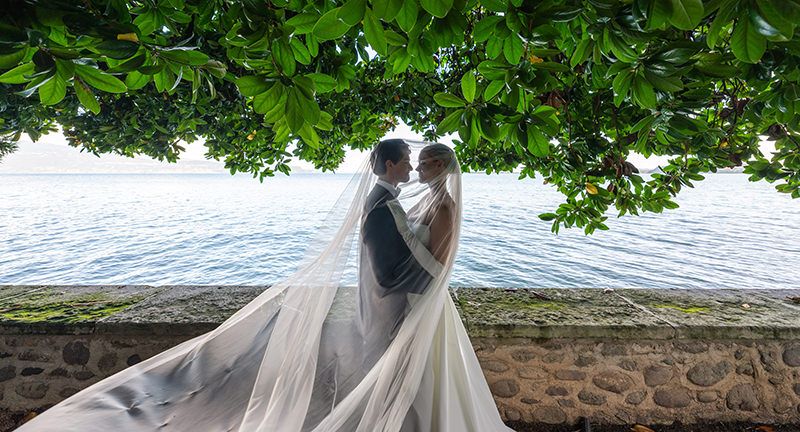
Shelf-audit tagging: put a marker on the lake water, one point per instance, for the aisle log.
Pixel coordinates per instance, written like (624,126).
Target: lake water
(221,229)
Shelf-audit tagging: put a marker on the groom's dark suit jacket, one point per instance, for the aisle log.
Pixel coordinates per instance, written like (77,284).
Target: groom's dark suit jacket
(388,272)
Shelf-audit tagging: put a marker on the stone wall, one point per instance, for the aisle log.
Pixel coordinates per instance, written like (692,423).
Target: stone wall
(647,381)
(549,356)
(37,371)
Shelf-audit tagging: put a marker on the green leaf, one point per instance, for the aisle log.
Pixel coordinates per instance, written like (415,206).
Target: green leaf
(136,80)
(450,123)
(265,102)
(723,17)
(448,100)
(309,136)
(658,13)
(85,96)
(512,49)
(282,53)
(668,84)
(352,12)
(294,110)
(621,84)
(323,82)
(325,121)
(746,43)
(643,93)
(300,51)
(386,9)
(8,61)
(581,53)
(547,216)
(303,23)
(492,89)
(765,28)
(777,14)
(395,39)
(485,28)
(538,144)
(17,75)
(185,56)
(53,91)
(686,14)
(252,85)
(468,86)
(147,22)
(407,15)
(100,80)
(373,30)
(129,65)
(437,8)
(330,27)
(117,49)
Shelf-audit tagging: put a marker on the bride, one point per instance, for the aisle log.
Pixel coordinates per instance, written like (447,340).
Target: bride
(312,353)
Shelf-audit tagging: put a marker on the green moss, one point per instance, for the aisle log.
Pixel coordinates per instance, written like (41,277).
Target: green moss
(501,303)
(47,307)
(688,310)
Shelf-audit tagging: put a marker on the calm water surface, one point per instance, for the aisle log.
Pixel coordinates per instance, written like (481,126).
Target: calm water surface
(220,229)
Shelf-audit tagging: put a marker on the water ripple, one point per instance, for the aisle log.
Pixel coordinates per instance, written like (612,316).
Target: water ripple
(218,229)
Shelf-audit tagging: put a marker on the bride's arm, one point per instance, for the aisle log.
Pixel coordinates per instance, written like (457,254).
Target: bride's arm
(442,233)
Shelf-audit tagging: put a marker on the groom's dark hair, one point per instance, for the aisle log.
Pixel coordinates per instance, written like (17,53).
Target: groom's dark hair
(387,150)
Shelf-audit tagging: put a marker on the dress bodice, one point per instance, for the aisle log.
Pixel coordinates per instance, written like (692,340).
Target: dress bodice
(422,232)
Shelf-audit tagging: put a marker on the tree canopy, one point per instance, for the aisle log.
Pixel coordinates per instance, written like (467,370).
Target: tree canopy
(566,89)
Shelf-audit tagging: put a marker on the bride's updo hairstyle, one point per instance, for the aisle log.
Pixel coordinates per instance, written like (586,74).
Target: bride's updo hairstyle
(387,150)
(441,152)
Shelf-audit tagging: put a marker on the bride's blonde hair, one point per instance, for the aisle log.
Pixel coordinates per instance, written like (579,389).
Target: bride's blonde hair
(443,153)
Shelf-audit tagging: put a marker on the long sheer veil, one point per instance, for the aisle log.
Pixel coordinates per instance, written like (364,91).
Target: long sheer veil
(313,353)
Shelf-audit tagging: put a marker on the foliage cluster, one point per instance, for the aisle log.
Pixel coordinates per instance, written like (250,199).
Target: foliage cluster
(567,89)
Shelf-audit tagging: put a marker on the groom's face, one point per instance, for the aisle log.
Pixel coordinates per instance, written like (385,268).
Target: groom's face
(400,171)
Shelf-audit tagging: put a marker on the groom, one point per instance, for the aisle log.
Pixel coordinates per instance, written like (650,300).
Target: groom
(388,271)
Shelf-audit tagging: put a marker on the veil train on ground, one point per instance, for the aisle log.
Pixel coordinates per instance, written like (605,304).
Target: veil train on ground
(312,353)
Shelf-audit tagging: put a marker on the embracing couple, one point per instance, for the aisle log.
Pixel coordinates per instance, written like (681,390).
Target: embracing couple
(314,353)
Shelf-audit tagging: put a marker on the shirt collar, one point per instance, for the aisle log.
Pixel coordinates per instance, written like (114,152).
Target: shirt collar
(395,191)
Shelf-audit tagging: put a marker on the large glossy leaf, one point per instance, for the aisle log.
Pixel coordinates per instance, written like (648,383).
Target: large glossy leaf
(537,144)
(294,110)
(53,91)
(746,43)
(643,93)
(686,14)
(100,80)
(86,97)
(512,49)
(468,86)
(407,15)
(783,15)
(330,26)
(437,8)
(386,9)
(448,100)
(352,12)
(17,75)
(373,30)
(303,23)
(252,85)
(450,123)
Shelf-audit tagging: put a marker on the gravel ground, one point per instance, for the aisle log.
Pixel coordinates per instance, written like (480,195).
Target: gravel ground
(9,422)
(676,427)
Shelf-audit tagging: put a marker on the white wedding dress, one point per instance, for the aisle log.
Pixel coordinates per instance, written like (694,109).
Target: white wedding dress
(292,359)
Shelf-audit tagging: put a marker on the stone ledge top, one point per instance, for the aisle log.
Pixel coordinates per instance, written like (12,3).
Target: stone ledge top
(623,313)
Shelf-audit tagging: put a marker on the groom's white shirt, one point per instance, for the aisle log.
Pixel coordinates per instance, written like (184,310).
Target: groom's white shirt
(395,191)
